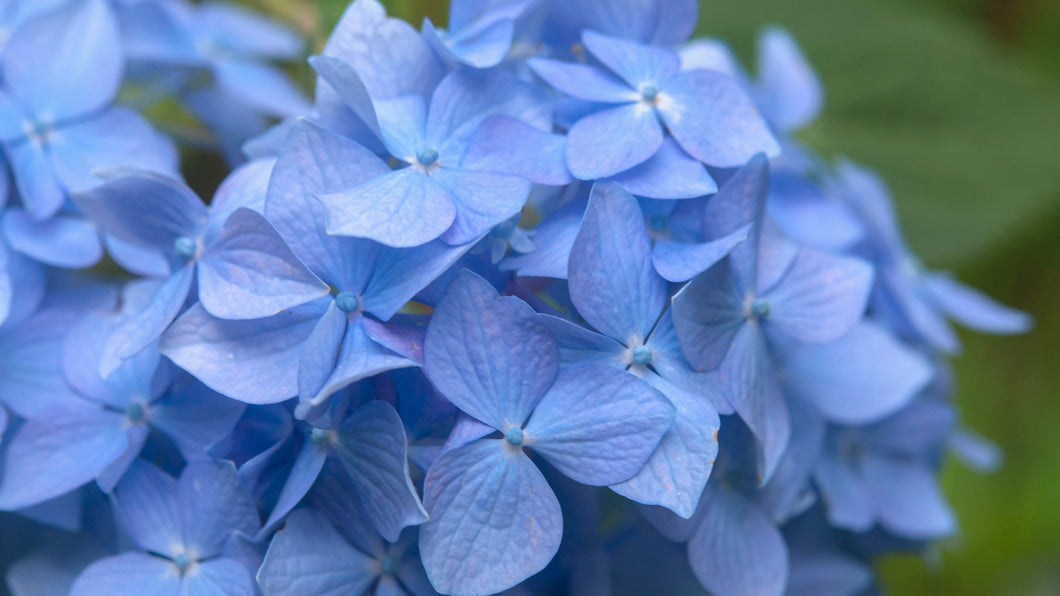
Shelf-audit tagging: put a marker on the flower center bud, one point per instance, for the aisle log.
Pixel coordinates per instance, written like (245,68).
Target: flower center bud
(318,435)
(642,355)
(184,247)
(347,301)
(390,565)
(427,156)
(649,93)
(182,561)
(760,308)
(514,436)
(134,412)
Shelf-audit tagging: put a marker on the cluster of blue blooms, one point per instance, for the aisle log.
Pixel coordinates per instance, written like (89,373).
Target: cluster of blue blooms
(548,301)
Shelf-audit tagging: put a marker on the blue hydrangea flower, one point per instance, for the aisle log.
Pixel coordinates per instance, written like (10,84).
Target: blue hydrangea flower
(57,124)
(480,32)
(494,520)
(706,113)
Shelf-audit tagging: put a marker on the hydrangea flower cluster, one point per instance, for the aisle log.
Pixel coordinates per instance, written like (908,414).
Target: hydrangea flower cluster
(549,301)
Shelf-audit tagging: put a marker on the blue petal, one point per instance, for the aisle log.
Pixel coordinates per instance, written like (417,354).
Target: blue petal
(750,383)
(578,344)
(553,239)
(219,576)
(136,259)
(146,506)
(195,417)
(63,241)
(315,161)
(374,450)
(510,146)
(712,119)
(389,55)
(398,275)
(247,32)
(494,520)
(598,425)
(792,92)
(321,353)
(349,86)
(38,187)
(465,98)
(402,124)
(46,458)
(214,504)
(737,550)
(113,473)
(145,209)
(582,81)
(671,366)
(669,174)
(862,377)
(116,137)
(248,272)
(662,23)
(309,557)
(489,355)
(973,309)
(820,298)
(245,187)
(612,280)
(612,141)
(252,361)
(360,356)
(482,200)
(261,87)
(636,63)
(31,373)
(402,208)
(707,314)
(304,472)
(809,216)
(232,123)
(129,574)
(815,572)
(844,492)
(675,474)
(146,322)
(482,46)
(679,262)
(66,63)
(908,496)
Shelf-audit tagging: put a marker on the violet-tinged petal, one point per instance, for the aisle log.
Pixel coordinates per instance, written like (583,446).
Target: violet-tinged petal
(219,576)
(612,280)
(400,209)
(129,574)
(65,63)
(973,309)
(38,187)
(401,123)
(669,174)
(578,344)
(485,47)
(553,239)
(248,272)
(489,355)
(638,64)
(678,262)
(304,472)
(583,81)
(262,87)
(374,450)
(910,501)
(791,91)
(840,483)
(112,474)
(482,200)
(214,504)
(145,503)
(712,119)
(612,141)
(253,361)
(195,417)
(494,519)
(348,85)
(737,551)
(358,357)
(63,241)
(707,315)
(507,145)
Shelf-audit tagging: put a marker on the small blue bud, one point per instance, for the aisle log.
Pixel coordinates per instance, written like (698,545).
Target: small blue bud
(760,308)
(514,436)
(642,355)
(649,93)
(427,156)
(182,561)
(318,435)
(347,301)
(134,412)
(390,565)
(184,247)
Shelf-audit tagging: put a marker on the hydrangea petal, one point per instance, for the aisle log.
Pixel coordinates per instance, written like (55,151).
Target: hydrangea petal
(506,145)
(669,174)
(484,47)
(792,90)
(612,141)
(129,574)
(974,309)
(583,81)
(348,85)
(707,315)
(636,63)
(214,504)
(843,490)
(678,262)
(145,503)
(63,241)
(482,200)
(910,502)
(494,520)
(304,472)
(38,187)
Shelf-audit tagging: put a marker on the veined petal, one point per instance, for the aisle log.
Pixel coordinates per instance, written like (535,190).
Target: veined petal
(583,81)
(63,241)
(304,472)
(348,85)
(219,576)
(611,141)
(707,315)
(129,574)
(507,145)
(214,504)
(679,262)
(482,200)
(669,174)
(483,47)
(402,124)
(494,520)
(145,502)
(638,64)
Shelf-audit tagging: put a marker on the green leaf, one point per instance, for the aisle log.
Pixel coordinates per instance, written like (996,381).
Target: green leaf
(966,136)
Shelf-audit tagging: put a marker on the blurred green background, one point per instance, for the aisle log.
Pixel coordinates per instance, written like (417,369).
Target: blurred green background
(957,103)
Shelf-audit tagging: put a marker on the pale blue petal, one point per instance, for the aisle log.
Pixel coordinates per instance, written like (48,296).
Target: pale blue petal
(113,473)
(401,209)
(597,425)
(612,141)
(321,353)
(713,119)
(669,174)
(398,275)
(245,187)
(129,574)
(38,187)
(860,378)
(973,309)
(707,314)
(510,146)
(820,298)
(792,93)
(359,356)
(822,572)
(261,87)
(31,372)
(248,272)
(248,32)
(583,81)
(214,504)
(253,361)
(304,472)
(402,122)
(65,63)
(218,577)
(374,450)
(118,137)
(636,63)
(679,262)
(578,344)
(195,417)
(488,355)
(309,557)
(910,501)
(482,200)
(737,551)
(482,47)
(349,86)
(671,365)
(145,503)
(62,241)
(661,23)
(46,458)
(553,239)
(844,492)
(494,520)
(612,280)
